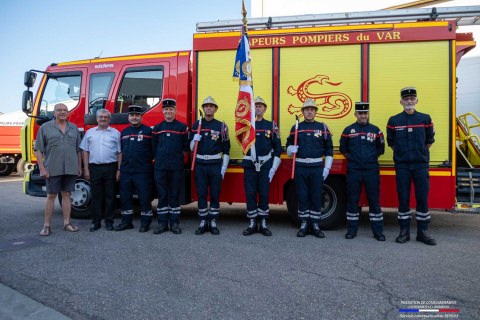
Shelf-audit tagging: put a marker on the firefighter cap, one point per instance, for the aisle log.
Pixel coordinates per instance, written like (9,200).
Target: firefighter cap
(259,99)
(209,100)
(362,106)
(135,109)
(309,103)
(167,102)
(408,91)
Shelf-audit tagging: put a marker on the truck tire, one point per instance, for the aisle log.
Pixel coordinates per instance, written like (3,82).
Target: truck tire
(334,203)
(81,200)
(21,167)
(5,169)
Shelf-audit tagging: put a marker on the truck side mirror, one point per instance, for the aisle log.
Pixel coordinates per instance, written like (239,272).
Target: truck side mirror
(29,78)
(27,101)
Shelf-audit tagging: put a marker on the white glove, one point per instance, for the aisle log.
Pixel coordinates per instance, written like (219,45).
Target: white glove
(276,164)
(196,137)
(226,159)
(291,150)
(326,171)
(328,166)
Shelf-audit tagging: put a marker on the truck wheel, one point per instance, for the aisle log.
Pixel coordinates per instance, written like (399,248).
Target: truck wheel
(334,203)
(21,167)
(5,169)
(81,200)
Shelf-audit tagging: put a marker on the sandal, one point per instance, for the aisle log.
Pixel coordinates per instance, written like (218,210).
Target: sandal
(70,227)
(46,231)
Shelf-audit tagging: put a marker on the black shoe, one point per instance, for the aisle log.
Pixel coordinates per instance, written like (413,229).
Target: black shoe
(109,227)
(124,226)
(175,228)
(403,237)
(350,235)
(423,236)
(201,229)
(265,231)
(214,231)
(160,229)
(144,228)
(316,230)
(379,237)
(250,230)
(95,227)
(303,230)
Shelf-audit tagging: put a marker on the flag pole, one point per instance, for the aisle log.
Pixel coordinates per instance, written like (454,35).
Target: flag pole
(199,131)
(253,153)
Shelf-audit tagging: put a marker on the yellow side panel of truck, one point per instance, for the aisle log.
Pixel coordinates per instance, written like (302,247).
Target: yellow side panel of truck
(215,70)
(424,65)
(330,75)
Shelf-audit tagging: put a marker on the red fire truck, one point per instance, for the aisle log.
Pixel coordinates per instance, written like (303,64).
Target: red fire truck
(335,59)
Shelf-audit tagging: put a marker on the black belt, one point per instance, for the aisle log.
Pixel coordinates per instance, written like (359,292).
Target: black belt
(102,164)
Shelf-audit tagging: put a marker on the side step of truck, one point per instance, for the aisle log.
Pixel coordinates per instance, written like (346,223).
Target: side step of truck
(468,188)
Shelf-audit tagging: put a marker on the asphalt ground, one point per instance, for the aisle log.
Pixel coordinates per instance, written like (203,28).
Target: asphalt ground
(129,275)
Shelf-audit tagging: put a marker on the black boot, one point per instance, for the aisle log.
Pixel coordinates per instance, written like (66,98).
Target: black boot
(213,227)
(379,236)
(144,227)
(175,227)
(404,236)
(352,227)
(124,225)
(303,231)
(316,230)
(264,229)
(252,228)
(202,227)
(423,236)
(162,227)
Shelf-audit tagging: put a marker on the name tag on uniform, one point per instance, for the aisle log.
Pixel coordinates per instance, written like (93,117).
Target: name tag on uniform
(309,134)
(168,134)
(132,138)
(410,129)
(362,137)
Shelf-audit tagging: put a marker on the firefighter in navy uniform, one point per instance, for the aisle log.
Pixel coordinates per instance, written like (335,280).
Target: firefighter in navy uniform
(362,143)
(136,170)
(211,162)
(170,141)
(314,143)
(411,134)
(259,172)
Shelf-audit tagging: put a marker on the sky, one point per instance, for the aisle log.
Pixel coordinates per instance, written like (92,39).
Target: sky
(34,34)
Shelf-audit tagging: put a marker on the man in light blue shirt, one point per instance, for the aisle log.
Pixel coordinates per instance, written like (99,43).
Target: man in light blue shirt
(101,160)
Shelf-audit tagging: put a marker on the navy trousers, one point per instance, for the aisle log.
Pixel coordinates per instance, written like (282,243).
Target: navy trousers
(421,181)
(168,183)
(257,183)
(141,183)
(309,185)
(208,180)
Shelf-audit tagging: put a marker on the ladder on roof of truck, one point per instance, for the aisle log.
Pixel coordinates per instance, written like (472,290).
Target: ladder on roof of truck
(464,16)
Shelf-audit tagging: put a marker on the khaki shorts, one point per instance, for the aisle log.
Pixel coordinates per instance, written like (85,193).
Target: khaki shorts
(56,184)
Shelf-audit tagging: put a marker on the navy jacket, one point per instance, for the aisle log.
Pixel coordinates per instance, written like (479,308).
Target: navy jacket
(363,144)
(215,139)
(314,141)
(137,153)
(170,140)
(409,136)
(267,140)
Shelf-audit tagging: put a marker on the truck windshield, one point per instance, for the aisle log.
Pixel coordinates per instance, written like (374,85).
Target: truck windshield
(60,89)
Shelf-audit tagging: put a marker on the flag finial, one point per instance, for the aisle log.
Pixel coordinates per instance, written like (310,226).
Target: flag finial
(244,14)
